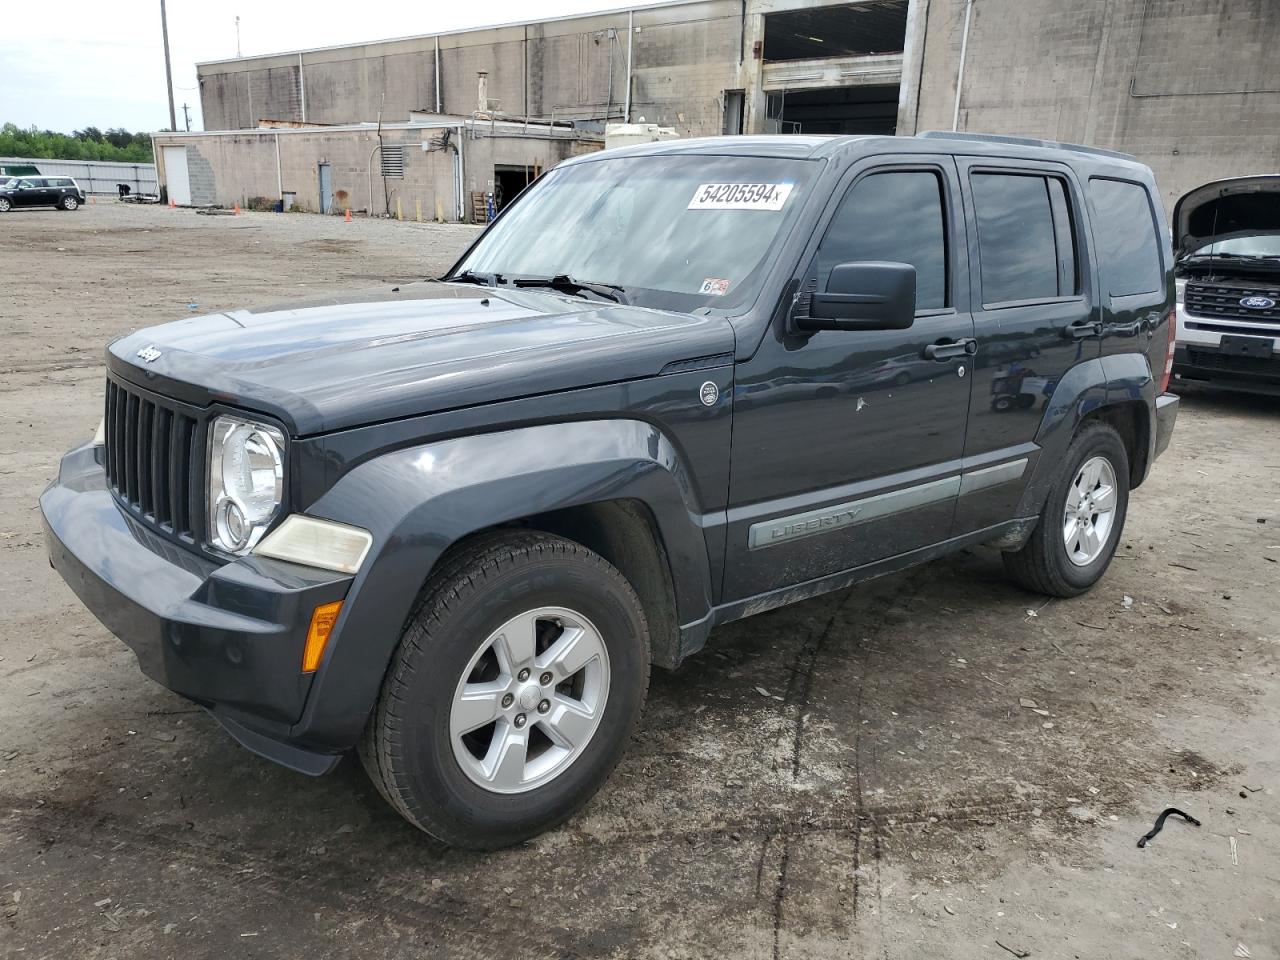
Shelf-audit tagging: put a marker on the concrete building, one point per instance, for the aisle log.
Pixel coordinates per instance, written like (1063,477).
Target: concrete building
(426,168)
(1189,86)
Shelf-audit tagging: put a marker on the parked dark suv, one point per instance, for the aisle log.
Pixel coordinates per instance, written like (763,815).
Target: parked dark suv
(60,192)
(453,524)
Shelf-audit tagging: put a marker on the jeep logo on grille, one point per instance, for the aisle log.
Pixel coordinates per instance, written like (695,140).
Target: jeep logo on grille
(1257,303)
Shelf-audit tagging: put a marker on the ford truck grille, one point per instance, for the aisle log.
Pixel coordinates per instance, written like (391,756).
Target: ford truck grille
(1221,301)
(151,458)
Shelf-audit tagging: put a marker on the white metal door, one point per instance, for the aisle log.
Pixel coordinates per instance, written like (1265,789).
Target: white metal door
(176,176)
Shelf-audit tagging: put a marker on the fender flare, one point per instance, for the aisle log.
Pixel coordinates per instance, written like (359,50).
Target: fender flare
(419,501)
(1084,390)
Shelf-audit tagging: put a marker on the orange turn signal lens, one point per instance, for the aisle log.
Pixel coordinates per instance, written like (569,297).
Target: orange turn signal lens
(322,621)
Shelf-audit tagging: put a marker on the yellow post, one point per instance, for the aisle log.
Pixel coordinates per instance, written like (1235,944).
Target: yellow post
(418,204)
(399,212)
(439,211)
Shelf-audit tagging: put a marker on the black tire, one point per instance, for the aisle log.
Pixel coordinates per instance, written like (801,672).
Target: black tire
(1042,565)
(406,748)
(68,203)
(5,205)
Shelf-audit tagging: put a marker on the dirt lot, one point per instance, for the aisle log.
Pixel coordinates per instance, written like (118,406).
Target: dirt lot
(853,776)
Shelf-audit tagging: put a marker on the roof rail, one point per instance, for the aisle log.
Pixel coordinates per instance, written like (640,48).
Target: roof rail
(1024,142)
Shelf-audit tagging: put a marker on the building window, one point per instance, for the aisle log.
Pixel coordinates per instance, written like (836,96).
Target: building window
(393,162)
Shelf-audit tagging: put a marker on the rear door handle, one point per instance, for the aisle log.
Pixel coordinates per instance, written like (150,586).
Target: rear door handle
(947,349)
(1080,331)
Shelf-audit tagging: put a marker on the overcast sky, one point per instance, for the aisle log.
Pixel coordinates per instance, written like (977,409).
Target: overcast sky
(102,64)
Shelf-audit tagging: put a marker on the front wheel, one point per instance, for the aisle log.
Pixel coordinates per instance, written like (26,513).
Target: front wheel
(516,686)
(1082,519)
(5,205)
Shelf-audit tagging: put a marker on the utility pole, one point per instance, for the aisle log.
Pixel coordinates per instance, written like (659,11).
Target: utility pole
(238,36)
(168,72)
(186,115)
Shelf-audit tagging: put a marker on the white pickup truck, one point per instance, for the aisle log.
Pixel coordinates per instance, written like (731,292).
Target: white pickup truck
(1227,244)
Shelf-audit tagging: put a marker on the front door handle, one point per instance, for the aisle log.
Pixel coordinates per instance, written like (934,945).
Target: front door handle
(1081,331)
(948,349)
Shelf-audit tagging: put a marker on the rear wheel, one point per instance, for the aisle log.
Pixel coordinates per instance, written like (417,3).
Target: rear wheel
(68,203)
(1082,519)
(513,693)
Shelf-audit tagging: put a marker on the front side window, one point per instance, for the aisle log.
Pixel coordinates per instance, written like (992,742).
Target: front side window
(1128,247)
(895,216)
(1025,242)
(672,231)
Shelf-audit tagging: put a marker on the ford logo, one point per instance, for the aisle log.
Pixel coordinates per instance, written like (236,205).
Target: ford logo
(1257,303)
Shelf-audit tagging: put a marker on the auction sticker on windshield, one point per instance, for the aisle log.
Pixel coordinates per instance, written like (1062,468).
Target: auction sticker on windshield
(740,196)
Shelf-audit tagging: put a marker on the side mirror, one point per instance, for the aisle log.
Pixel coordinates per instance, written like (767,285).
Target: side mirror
(870,295)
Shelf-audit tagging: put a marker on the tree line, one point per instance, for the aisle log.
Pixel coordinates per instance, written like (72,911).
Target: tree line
(90,143)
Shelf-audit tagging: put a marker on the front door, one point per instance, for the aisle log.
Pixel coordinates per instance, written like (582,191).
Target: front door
(28,193)
(326,189)
(1035,317)
(847,444)
(176,177)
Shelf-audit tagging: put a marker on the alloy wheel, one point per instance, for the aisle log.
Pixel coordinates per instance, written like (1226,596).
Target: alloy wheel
(529,700)
(1090,511)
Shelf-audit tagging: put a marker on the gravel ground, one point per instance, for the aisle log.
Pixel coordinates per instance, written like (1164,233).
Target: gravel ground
(851,776)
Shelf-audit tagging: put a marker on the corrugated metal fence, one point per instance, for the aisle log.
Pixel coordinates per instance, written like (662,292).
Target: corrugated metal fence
(95,176)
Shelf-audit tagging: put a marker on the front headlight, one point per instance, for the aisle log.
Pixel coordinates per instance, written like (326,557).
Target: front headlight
(246,481)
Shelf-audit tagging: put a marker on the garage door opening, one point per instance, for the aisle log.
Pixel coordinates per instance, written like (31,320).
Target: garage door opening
(848,30)
(509,182)
(861,110)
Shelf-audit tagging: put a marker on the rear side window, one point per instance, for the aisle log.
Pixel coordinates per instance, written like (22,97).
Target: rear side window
(896,216)
(1025,242)
(1125,231)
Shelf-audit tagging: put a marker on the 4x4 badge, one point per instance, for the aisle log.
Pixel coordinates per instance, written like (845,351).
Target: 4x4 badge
(708,393)
(148,354)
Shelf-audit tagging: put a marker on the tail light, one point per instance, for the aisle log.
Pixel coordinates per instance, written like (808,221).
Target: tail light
(1168,356)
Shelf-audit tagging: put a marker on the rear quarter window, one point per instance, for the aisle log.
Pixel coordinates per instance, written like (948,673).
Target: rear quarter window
(1124,231)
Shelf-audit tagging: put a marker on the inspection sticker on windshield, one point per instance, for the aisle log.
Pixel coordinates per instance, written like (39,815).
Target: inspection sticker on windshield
(740,196)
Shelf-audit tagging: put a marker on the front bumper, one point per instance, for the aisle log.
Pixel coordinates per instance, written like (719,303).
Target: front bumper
(226,635)
(1207,365)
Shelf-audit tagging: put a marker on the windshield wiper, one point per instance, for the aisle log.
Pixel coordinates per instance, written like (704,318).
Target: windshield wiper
(1234,256)
(470,276)
(566,283)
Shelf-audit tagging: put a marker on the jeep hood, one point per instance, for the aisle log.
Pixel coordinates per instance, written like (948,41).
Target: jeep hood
(334,363)
(1223,209)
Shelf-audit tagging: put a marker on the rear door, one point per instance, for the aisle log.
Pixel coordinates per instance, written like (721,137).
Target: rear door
(1035,317)
(846,444)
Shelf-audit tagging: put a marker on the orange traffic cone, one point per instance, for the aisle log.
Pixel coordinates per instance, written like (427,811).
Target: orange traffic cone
(172,205)
(347,218)
(236,211)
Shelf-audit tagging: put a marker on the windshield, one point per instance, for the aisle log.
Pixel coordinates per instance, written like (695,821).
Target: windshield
(1263,245)
(671,232)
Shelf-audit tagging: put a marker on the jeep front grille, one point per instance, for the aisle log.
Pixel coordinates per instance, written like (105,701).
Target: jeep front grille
(151,458)
(1221,301)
